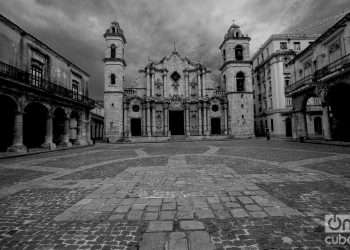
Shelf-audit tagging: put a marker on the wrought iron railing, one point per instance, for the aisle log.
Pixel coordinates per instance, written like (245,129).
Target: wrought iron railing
(339,64)
(303,81)
(26,78)
(333,67)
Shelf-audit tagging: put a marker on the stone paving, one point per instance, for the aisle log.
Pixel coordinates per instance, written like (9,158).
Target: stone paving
(241,194)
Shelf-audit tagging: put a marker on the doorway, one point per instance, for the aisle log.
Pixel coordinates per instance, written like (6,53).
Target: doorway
(176,122)
(289,127)
(215,126)
(135,127)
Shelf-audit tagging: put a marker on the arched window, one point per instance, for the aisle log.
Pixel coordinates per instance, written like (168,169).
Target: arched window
(113,29)
(112,78)
(113,48)
(240,79)
(224,79)
(239,52)
(224,54)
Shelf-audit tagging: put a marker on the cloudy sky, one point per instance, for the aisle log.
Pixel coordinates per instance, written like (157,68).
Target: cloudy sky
(75,27)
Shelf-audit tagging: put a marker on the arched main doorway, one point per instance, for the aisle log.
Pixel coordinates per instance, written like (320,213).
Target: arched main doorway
(59,118)
(34,125)
(339,101)
(176,122)
(135,125)
(318,125)
(8,109)
(215,126)
(288,127)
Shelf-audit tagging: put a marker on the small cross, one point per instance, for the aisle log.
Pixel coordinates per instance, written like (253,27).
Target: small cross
(174,45)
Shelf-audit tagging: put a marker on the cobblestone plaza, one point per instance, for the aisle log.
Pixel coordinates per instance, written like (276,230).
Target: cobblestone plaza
(241,194)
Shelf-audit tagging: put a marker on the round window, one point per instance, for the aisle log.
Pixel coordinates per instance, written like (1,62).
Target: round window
(215,108)
(135,108)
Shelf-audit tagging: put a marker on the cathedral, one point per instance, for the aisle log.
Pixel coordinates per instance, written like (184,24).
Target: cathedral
(177,96)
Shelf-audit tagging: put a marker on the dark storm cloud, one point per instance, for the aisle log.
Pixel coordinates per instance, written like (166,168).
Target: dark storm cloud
(75,27)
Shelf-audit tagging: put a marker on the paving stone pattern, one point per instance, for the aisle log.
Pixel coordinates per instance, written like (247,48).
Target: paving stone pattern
(246,194)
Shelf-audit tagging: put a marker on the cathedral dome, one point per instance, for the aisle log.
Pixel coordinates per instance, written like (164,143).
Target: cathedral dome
(234,32)
(115,30)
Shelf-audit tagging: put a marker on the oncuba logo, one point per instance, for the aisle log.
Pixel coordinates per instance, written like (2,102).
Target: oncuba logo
(337,223)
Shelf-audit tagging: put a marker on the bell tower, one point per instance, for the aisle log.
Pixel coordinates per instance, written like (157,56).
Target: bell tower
(114,76)
(236,73)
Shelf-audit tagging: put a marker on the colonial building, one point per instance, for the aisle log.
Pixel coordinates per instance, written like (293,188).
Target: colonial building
(43,96)
(177,96)
(273,110)
(97,122)
(322,70)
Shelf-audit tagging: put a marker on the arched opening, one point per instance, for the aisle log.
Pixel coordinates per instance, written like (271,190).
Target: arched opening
(288,127)
(339,101)
(8,109)
(135,124)
(113,51)
(58,125)
(240,79)
(318,125)
(34,125)
(215,126)
(239,52)
(74,126)
(224,54)
(224,80)
(112,79)
(312,109)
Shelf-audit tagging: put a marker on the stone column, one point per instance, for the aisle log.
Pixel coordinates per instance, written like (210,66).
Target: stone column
(187,119)
(299,124)
(165,83)
(17,143)
(166,118)
(186,84)
(225,119)
(148,83)
(49,135)
(152,83)
(148,126)
(126,120)
(325,123)
(88,128)
(204,83)
(154,128)
(200,119)
(144,120)
(199,84)
(66,141)
(205,118)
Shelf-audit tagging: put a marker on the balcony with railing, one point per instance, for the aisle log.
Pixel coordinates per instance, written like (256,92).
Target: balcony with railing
(332,69)
(219,92)
(23,77)
(130,92)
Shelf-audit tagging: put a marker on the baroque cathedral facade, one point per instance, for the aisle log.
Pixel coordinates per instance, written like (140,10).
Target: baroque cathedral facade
(176,96)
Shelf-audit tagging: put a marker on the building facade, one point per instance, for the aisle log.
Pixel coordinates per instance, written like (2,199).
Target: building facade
(97,122)
(176,96)
(322,71)
(44,96)
(273,110)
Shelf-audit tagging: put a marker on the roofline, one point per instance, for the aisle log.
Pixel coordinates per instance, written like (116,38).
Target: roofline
(25,33)
(294,36)
(324,35)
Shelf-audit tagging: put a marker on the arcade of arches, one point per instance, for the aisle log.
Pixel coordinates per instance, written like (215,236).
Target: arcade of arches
(334,120)
(32,124)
